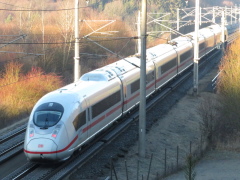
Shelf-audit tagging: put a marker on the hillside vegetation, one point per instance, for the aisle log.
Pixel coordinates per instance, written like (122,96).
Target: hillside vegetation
(19,92)
(221,116)
(50,35)
(38,40)
(229,89)
(207,3)
(37,43)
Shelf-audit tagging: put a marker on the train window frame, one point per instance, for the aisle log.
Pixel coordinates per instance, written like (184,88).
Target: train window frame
(186,55)
(202,46)
(49,118)
(167,66)
(48,109)
(135,86)
(106,103)
(210,42)
(80,120)
(150,77)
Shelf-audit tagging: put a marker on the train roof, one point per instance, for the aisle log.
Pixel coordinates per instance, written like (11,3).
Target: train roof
(73,92)
(102,74)
(124,65)
(158,50)
(215,27)
(192,35)
(181,41)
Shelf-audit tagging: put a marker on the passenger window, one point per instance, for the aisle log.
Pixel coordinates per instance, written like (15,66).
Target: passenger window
(169,65)
(185,56)
(135,86)
(150,77)
(202,46)
(80,120)
(106,103)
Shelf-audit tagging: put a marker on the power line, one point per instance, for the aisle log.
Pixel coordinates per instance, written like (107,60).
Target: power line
(50,49)
(27,9)
(12,5)
(69,42)
(29,54)
(43,10)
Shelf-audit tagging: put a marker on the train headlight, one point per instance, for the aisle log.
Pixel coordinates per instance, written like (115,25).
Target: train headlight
(31,130)
(56,130)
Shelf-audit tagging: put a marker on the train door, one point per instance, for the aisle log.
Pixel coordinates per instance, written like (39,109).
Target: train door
(83,121)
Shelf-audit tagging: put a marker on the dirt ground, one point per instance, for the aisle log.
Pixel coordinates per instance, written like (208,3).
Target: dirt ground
(179,128)
(216,165)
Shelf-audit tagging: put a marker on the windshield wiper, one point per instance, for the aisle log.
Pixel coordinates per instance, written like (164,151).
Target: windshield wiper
(46,124)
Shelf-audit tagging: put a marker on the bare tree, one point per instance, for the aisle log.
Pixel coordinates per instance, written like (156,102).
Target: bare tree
(208,110)
(65,24)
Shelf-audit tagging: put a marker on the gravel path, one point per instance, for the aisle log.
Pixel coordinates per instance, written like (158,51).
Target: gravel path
(216,165)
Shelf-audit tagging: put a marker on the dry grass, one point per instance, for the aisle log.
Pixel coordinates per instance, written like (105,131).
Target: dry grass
(229,90)
(229,77)
(18,92)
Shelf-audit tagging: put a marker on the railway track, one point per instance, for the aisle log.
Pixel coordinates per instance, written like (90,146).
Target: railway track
(11,143)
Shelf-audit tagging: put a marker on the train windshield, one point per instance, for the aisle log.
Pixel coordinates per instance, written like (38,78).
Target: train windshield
(47,115)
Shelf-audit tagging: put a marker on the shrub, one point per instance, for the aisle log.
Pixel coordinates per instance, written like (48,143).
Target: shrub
(209,112)
(18,92)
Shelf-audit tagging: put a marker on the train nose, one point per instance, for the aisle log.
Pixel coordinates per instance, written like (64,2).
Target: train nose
(41,149)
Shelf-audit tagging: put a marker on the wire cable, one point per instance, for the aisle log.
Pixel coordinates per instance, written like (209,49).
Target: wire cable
(27,9)
(69,42)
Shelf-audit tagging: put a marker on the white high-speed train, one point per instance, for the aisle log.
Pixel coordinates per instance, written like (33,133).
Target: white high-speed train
(64,120)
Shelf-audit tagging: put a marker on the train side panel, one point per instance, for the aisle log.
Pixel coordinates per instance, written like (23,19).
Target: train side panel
(209,39)
(166,68)
(185,53)
(150,76)
(128,72)
(105,106)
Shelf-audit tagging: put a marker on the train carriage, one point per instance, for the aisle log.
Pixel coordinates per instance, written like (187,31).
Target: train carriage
(128,73)
(209,36)
(150,78)
(216,29)
(184,49)
(105,104)
(165,59)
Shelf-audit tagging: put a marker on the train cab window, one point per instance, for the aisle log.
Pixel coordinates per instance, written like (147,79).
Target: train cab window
(186,56)
(47,115)
(167,66)
(80,120)
(106,103)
